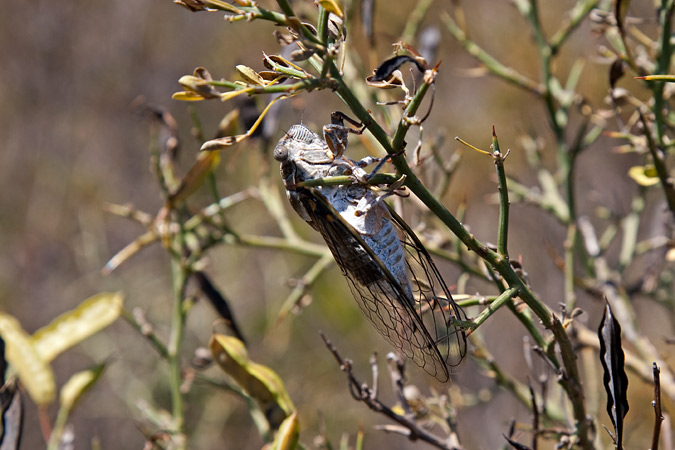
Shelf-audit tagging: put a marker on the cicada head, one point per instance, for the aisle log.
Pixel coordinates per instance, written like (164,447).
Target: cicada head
(303,155)
(296,139)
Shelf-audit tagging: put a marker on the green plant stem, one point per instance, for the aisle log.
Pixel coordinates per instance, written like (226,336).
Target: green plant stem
(475,301)
(558,120)
(662,67)
(503,229)
(304,284)
(322,25)
(339,180)
(178,317)
(492,307)
(630,226)
(577,15)
(568,269)
(414,20)
(571,383)
(659,159)
(288,12)
(149,334)
(504,72)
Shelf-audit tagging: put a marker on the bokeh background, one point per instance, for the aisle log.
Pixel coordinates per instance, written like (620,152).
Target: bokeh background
(71,141)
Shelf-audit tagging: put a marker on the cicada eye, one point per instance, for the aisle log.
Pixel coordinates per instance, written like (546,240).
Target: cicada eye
(280,153)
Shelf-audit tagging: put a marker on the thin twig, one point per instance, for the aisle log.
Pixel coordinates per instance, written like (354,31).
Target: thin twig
(656,404)
(396,372)
(503,229)
(136,318)
(361,392)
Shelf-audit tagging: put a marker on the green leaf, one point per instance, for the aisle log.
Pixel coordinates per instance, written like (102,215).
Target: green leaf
(74,326)
(260,382)
(34,372)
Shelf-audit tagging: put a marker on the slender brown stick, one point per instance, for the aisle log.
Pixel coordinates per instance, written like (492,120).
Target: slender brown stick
(658,416)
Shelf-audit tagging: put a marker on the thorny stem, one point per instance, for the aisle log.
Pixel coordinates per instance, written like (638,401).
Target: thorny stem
(504,297)
(503,229)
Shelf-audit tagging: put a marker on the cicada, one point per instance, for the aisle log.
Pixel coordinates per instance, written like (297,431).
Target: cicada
(391,275)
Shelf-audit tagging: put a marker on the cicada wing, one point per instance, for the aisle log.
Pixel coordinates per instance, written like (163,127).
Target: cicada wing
(420,327)
(433,299)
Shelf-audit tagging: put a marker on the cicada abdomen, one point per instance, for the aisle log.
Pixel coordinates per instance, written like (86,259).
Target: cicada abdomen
(391,275)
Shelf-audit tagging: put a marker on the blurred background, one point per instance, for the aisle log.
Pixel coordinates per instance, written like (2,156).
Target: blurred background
(72,142)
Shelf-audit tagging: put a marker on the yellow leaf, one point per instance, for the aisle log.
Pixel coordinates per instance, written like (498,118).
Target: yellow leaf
(187,96)
(76,325)
(287,436)
(198,85)
(249,75)
(35,374)
(331,6)
(644,175)
(78,385)
(225,6)
(260,382)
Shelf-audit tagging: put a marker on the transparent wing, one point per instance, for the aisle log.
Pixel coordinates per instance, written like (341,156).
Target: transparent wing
(422,327)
